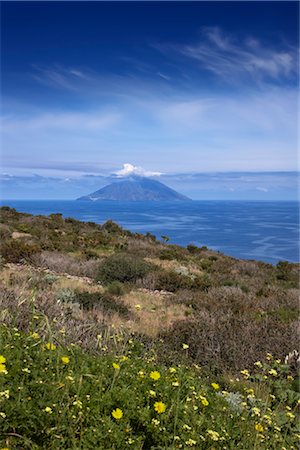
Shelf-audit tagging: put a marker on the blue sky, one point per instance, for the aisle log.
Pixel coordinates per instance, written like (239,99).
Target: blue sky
(204,93)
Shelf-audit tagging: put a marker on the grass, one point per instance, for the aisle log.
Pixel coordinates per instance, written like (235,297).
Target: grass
(57,397)
(105,298)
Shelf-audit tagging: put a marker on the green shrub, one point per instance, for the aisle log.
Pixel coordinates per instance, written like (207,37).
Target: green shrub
(115,288)
(193,249)
(122,268)
(66,296)
(90,253)
(23,228)
(170,253)
(172,281)
(112,227)
(16,250)
(49,279)
(206,264)
(106,302)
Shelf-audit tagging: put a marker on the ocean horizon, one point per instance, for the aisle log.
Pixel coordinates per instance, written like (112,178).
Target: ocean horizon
(261,230)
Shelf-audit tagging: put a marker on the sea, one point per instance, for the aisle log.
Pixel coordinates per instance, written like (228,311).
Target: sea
(265,231)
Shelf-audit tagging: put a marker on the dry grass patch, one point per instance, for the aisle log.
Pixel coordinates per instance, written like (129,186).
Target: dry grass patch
(153,313)
(175,266)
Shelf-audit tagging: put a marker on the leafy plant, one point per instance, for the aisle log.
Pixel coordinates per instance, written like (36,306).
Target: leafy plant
(123,268)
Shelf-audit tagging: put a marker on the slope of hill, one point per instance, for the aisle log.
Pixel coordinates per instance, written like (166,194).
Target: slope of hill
(136,189)
(104,330)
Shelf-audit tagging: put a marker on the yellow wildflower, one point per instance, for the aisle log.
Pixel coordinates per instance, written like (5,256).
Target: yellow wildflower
(50,346)
(204,401)
(175,383)
(259,427)
(290,415)
(273,372)
(155,422)
(2,359)
(35,335)
(214,435)
(4,394)
(117,414)
(245,373)
(155,375)
(269,356)
(185,346)
(65,359)
(159,407)
(116,366)
(3,369)
(68,377)
(215,386)
(172,370)
(152,393)
(256,411)
(77,403)
(137,307)
(267,419)
(48,410)
(191,442)
(258,364)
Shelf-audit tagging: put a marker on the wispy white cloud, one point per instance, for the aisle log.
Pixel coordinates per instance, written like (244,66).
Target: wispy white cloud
(232,60)
(130,169)
(89,121)
(262,189)
(60,76)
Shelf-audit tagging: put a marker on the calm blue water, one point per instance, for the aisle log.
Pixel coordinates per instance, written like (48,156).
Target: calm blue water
(266,231)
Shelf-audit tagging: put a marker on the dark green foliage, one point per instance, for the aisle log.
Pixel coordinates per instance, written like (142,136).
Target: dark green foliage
(172,253)
(122,268)
(173,281)
(90,253)
(206,264)
(115,288)
(16,250)
(151,237)
(193,249)
(112,227)
(23,228)
(105,302)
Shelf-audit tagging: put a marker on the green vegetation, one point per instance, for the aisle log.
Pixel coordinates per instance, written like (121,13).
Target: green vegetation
(57,397)
(89,312)
(122,268)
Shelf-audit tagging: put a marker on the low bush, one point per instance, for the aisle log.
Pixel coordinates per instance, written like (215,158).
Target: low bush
(112,227)
(16,250)
(230,341)
(63,263)
(123,268)
(193,249)
(173,281)
(115,288)
(171,254)
(66,296)
(105,302)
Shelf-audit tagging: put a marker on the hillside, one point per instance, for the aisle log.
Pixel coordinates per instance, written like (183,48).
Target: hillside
(189,344)
(135,188)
